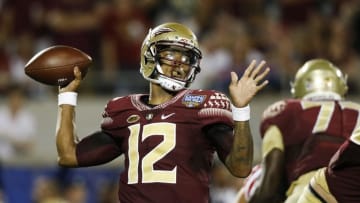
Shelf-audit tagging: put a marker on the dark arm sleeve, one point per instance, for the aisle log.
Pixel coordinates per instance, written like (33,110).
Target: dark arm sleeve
(97,148)
(221,136)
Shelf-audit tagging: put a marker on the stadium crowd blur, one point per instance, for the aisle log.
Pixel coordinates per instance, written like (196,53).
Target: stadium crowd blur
(231,32)
(285,33)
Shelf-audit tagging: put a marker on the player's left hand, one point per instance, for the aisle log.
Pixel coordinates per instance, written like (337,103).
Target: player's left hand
(244,89)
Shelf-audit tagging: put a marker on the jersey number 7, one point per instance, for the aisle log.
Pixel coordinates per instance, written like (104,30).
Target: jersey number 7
(326,112)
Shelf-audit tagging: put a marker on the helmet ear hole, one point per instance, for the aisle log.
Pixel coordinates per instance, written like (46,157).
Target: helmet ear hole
(146,60)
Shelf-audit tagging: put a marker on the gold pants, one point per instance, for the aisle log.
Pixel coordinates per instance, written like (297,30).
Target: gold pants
(317,191)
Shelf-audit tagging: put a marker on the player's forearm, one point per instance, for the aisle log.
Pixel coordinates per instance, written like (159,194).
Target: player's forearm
(239,161)
(270,188)
(65,136)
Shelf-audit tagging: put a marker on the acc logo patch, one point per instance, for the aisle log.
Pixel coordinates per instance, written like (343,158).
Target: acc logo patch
(133,118)
(193,100)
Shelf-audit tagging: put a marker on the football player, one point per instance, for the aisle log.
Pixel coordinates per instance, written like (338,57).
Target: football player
(300,135)
(170,135)
(340,181)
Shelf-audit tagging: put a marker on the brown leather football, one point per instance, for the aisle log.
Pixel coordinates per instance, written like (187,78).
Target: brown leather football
(55,65)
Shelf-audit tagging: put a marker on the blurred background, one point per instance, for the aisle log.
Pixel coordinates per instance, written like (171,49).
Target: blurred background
(231,33)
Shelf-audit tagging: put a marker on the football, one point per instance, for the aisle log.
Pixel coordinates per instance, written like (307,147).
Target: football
(55,65)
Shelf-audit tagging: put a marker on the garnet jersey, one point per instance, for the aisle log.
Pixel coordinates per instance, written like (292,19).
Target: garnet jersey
(340,181)
(343,173)
(312,131)
(167,156)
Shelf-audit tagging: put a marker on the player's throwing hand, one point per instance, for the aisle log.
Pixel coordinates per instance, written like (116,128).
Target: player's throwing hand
(73,85)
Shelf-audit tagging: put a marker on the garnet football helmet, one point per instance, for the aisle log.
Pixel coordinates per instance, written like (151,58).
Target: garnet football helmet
(169,36)
(321,77)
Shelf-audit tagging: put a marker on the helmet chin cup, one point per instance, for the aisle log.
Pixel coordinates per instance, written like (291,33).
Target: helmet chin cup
(170,83)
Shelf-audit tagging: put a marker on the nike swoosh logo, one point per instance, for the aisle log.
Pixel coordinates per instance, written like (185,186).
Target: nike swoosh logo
(163,117)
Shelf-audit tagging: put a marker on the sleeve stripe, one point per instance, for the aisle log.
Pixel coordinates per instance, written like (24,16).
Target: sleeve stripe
(209,112)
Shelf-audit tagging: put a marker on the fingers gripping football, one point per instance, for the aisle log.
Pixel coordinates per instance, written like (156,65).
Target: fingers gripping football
(244,89)
(74,84)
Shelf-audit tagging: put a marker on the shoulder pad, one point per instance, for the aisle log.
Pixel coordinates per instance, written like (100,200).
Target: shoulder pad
(117,104)
(212,106)
(217,100)
(274,109)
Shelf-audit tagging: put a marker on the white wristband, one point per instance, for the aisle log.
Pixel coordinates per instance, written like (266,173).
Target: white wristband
(67,98)
(241,114)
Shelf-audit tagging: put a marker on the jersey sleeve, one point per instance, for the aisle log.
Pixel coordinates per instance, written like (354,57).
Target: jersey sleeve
(95,149)
(280,114)
(109,114)
(114,115)
(216,109)
(272,140)
(105,145)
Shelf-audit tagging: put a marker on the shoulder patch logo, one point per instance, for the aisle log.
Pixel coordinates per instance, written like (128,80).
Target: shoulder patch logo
(190,100)
(133,118)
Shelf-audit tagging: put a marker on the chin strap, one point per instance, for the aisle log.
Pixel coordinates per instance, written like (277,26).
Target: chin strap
(166,82)
(170,84)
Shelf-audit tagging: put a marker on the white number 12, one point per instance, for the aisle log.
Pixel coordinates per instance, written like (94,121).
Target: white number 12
(149,174)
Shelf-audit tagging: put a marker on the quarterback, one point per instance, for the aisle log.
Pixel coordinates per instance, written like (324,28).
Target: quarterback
(169,136)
